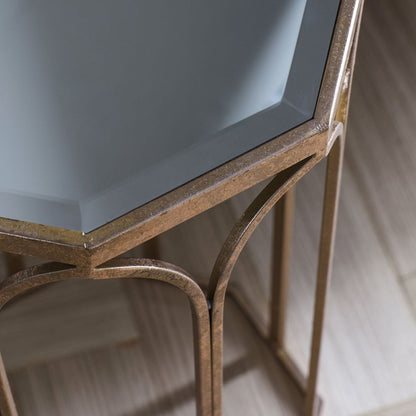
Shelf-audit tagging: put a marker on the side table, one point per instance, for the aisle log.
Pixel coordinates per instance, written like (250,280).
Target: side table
(123,120)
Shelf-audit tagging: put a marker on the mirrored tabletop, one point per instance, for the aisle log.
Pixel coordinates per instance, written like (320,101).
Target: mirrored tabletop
(106,105)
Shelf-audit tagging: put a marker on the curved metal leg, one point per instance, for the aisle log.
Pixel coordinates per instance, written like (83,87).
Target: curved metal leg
(130,268)
(233,246)
(228,256)
(329,216)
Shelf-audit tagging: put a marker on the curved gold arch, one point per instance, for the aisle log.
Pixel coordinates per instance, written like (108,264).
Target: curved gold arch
(43,274)
(239,236)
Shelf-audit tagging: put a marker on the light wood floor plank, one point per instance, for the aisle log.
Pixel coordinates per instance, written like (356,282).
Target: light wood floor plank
(63,319)
(407,408)
(155,376)
(381,139)
(409,285)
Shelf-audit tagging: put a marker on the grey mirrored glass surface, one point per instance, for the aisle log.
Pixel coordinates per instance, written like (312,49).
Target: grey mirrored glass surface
(106,105)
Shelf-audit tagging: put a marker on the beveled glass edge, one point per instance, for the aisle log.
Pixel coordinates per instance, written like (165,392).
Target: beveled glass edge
(135,193)
(304,80)
(75,247)
(311,55)
(349,12)
(63,210)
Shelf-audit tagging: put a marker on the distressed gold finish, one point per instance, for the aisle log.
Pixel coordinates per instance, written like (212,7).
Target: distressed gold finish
(283,221)
(43,274)
(228,256)
(144,223)
(287,158)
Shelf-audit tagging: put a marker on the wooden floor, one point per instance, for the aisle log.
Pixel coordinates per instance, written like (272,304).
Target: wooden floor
(112,349)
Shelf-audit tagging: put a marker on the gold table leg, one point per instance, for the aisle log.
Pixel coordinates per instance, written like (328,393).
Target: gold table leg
(228,256)
(282,235)
(7,405)
(281,192)
(41,275)
(329,216)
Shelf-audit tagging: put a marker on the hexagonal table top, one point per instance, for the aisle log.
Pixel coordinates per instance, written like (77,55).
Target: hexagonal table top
(106,105)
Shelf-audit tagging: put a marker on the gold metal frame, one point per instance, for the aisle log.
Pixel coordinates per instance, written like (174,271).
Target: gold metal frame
(288,157)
